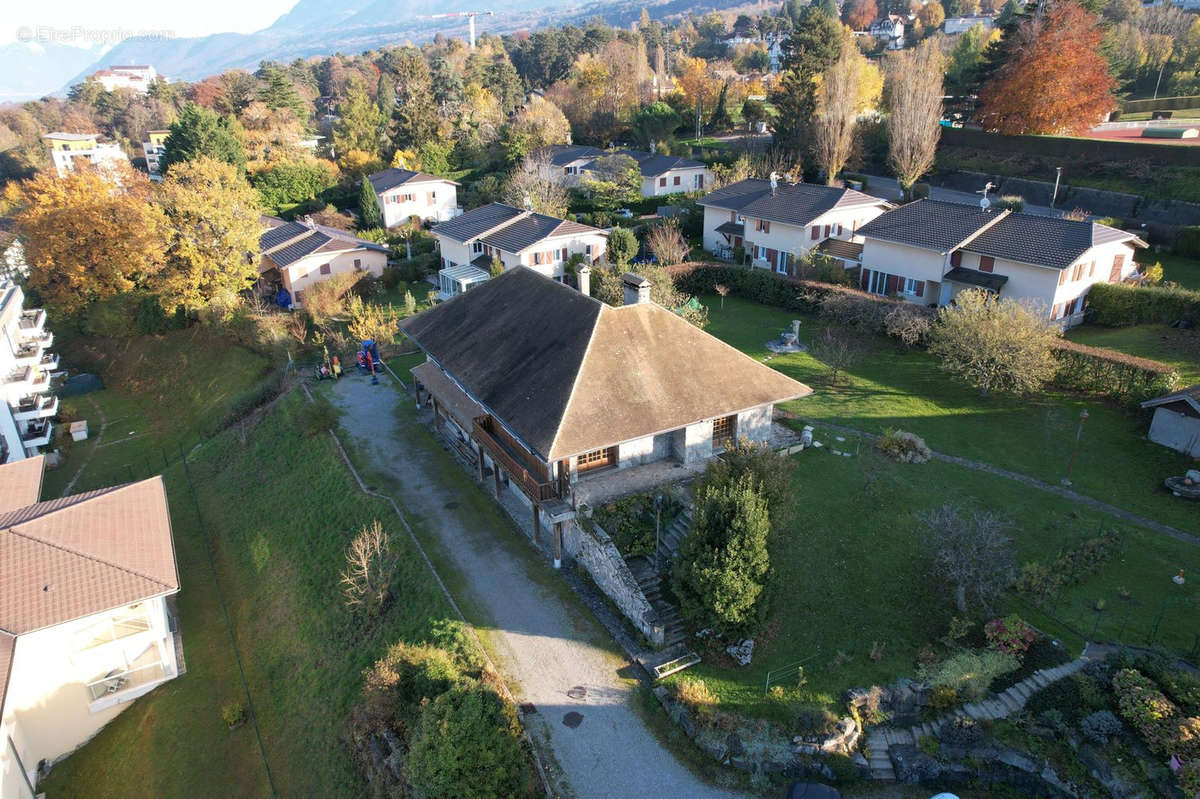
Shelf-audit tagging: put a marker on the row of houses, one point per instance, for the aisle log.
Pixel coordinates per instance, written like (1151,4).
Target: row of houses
(924,252)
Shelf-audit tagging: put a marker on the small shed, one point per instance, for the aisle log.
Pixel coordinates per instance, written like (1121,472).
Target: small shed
(1176,422)
(79,430)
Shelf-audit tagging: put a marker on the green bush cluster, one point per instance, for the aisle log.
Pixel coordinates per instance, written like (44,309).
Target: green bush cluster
(1043,653)
(1109,373)
(1156,718)
(630,522)
(968,672)
(1041,580)
(903,447)
(1122,305)
(1074,697)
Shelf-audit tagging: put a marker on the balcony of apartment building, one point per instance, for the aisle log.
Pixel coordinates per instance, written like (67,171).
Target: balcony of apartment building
(32,323)
(528,475)
(35,406)
(27,353)
(36,433)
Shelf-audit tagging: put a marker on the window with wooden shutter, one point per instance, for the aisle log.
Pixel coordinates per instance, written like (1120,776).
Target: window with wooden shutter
(827,230)
(956,258)
(1062,277)
(1092,269)
(839,229)
(723,431)
(1118,265)
(986,263)
(677,180)
(324,269)
(920,292)
(865,281)
(662,181)
(816,232)
(766,226)
(1056,311)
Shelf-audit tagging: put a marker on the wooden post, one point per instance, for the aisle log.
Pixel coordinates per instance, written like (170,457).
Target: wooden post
(558,545)
(478,459)
(496,476)
(537,522)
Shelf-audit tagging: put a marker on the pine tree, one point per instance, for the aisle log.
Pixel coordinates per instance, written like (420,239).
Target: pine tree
(369,215)
(200,132)
(810,50)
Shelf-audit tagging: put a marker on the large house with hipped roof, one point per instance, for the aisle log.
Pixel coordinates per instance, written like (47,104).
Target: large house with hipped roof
(84,622)
(661,174)
(403,194)
(547,386)
(776,223)
(297,255)
(469,244)
(928,251)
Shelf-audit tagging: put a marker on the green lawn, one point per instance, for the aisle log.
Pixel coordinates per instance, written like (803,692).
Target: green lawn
(280,508)
(901,388)
(850,571)
(1179,348)
(1177,268)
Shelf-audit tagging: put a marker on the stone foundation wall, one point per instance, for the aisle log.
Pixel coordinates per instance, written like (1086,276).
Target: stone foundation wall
(598,555)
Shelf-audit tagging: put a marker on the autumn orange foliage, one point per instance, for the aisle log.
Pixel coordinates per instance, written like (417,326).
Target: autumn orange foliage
(1056,81)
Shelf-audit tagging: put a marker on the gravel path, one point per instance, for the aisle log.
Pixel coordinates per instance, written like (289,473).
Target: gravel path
(547,644)
(1042,485)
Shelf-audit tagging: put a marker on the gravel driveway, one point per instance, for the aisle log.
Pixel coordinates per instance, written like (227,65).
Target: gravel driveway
(552,651)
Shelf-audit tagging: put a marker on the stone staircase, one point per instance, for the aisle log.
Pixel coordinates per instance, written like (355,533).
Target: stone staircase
(672,537)
(651,584)
(998,706)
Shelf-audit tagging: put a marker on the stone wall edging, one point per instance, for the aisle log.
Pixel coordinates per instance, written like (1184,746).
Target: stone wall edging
(594,550)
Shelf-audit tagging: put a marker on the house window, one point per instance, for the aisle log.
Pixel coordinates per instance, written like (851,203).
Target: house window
(878,284)
(816,232)
(597,459)
(357,264)
(912,287)
(1062,277)
(677,180)
(563,256)
(477,247)
(986,263)
(760,253)
(839,229)
(782,266)
(588,250)
(723,431)
(432,198)
(699,181)
(324,269)
(662,181)
(956,258)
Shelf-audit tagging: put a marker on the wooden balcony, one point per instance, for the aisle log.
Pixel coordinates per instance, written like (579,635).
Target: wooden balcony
(486,432)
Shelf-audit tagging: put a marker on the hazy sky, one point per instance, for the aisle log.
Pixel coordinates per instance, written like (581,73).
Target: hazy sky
(105,22)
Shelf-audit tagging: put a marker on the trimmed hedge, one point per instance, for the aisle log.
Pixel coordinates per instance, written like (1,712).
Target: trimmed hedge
(1100,371)
(1187,241)
(1121,305)
(1180,103)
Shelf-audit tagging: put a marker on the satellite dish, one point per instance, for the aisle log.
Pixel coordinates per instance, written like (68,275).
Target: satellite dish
(984,203)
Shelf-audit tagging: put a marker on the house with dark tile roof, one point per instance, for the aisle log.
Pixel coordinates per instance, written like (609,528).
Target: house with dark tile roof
(569,159)
(928,251)
(468,244)
(778,224)
(85,627)
(666,174)
(403,194)
(297,255)
(547,386)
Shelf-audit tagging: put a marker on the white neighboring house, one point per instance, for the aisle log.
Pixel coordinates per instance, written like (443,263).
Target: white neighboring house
(777,224)
(664,174)
(84,623)
(890,28)
(297,255)
(137,77)
(956,25)
(928,251)
(517,238)
(1176,421)
(570,159)
(69,149)
(403,194)
(773,44)
(153,150)
(25,368)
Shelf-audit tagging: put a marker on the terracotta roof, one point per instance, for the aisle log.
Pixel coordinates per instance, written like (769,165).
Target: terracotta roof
(790,204)
(8,643)
(22,483)
(567,374)
(65,559)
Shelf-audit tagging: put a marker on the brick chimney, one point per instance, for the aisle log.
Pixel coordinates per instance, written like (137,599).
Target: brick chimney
(637,288)
(584,274)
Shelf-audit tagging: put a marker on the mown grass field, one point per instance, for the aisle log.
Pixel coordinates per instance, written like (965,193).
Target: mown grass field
(1177,268)
(1179,348)
(851,570)
(280,508)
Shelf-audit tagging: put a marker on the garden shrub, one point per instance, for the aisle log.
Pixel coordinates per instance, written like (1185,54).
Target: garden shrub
(1041,580)
(1009,202)
(396,685)
(630,521)
(1043,653)
(943,698)
(903,447)
(1155,717)
(815,721)
(697,697)
(468,744)
(908,323)
(1182,687)
(760,462)
(1011,635)
(1122,305)
(1100,726)
(1187,241)
(1061,695)
(1109,373)
(969,672)
(961,731)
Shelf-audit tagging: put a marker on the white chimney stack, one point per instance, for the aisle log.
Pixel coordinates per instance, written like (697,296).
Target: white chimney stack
(584,274)
(637,288)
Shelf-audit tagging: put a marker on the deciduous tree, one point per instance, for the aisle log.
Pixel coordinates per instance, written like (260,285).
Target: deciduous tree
(613,181)
(667,243)
(914,93)
(212,250)
(370,567)
(833,128)
(971,551)
(995,344)
(85,241)
(536,183)
(622,245)
(859,14)
(1056,79)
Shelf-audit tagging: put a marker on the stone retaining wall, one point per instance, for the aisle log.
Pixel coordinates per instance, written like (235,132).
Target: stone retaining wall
(598,555)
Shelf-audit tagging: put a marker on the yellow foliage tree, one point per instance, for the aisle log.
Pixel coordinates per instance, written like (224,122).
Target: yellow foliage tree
(85,238)
(213,246)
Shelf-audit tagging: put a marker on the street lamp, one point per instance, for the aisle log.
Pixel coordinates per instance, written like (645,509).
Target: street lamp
(1083,416)
(1057,178)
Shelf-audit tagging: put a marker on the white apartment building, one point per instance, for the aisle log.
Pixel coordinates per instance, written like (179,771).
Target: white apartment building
(136,77)
(69,149)
(25,368)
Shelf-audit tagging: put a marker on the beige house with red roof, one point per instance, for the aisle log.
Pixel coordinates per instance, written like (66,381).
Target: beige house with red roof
(84,623)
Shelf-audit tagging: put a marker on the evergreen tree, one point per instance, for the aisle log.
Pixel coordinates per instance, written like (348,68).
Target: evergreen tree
(415,117)
(829,8)
(370,217)
(385,97)
(720,574)
(200,132)
(278,91)
(720,117)
(810,50)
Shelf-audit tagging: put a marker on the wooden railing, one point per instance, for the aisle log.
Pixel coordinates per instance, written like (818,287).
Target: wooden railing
(535,489)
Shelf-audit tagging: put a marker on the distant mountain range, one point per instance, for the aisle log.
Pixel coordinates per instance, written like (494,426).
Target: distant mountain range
(314,27)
